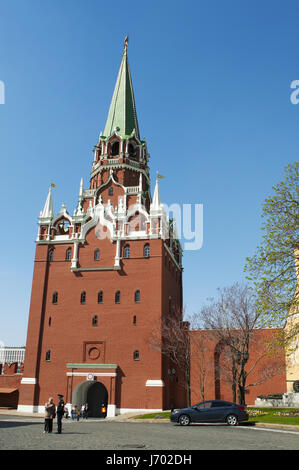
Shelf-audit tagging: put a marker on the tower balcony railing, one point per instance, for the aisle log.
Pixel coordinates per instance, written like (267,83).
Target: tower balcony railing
(112,161)
(134,163)
(121,158)
(133,189)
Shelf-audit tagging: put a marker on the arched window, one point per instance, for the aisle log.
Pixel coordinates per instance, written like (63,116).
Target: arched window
(55,298)
(110,191)
(115,149)
(68,254)
(51,255)
(127,251)
(117,297)
(137,296)
(48,355)
(136,355)
(96,255)
(146,251)
(100,297)
(50,321)
(83,297)
(95,320)
(131,151)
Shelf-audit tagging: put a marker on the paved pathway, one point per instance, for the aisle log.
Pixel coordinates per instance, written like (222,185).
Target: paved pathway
(124,434)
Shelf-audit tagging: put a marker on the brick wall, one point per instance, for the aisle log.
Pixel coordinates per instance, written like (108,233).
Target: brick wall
(267,368)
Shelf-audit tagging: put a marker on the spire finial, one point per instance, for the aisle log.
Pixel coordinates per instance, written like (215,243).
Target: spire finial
(126,43)
(122,110)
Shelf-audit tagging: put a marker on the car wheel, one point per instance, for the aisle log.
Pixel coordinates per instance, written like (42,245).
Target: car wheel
(232,420)
(184,420)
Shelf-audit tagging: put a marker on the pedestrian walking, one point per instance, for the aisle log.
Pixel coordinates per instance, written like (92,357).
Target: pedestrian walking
(66,412)
(85,411)
(74,412)
(60,412)
(49,415)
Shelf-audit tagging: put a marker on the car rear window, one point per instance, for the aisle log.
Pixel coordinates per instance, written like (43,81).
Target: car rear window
(216,404)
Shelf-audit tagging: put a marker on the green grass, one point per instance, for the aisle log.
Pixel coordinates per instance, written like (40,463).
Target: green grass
(268,416)
(164,414)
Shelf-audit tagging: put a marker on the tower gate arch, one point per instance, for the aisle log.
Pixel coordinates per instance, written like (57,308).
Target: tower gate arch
(94,393)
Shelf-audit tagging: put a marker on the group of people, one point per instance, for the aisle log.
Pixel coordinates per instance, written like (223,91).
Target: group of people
(51,411)
(78,413)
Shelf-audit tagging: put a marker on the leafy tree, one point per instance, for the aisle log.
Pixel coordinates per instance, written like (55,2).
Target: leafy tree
(272,268)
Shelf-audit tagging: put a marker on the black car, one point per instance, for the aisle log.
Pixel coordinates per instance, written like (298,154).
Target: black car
(212,411)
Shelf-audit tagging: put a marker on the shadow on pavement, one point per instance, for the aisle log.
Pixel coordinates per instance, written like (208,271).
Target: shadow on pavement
(13,424)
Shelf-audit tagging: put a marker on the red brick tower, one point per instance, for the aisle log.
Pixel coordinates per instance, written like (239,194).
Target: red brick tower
(103,279)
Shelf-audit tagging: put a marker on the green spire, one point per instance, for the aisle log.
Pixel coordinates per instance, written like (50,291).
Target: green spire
(122,111)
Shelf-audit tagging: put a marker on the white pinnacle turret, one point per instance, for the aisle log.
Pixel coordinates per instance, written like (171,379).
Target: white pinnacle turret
(48,208)
(156,204)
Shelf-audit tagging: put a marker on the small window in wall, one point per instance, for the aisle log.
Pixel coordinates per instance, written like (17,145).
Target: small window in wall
(137,296)
(127,252)
(68,254)
(117,297)
(48,355)
(51,255)
(146,251)
(50,321)
(96,255)
(136,355)
(83,297)
(100,297)
(134,320)
(110,191)
(95,320)
(55,298)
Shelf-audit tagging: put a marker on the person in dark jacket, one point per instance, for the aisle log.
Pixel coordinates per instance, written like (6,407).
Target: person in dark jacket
(60,412)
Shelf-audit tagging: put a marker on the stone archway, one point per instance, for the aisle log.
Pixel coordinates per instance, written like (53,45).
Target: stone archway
(95,394)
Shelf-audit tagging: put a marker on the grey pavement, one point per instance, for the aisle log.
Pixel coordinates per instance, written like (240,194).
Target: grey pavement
(123,433)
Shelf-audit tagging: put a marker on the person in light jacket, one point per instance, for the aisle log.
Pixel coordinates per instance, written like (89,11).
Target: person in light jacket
(49,415)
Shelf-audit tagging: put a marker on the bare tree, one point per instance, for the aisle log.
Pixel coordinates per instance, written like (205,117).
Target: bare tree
(233,319)
(201,347)
(171,338)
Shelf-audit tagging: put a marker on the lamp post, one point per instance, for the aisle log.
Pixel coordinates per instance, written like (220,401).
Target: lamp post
(171,373)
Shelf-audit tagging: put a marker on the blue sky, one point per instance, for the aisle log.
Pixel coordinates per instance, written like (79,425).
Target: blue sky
(212,88)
